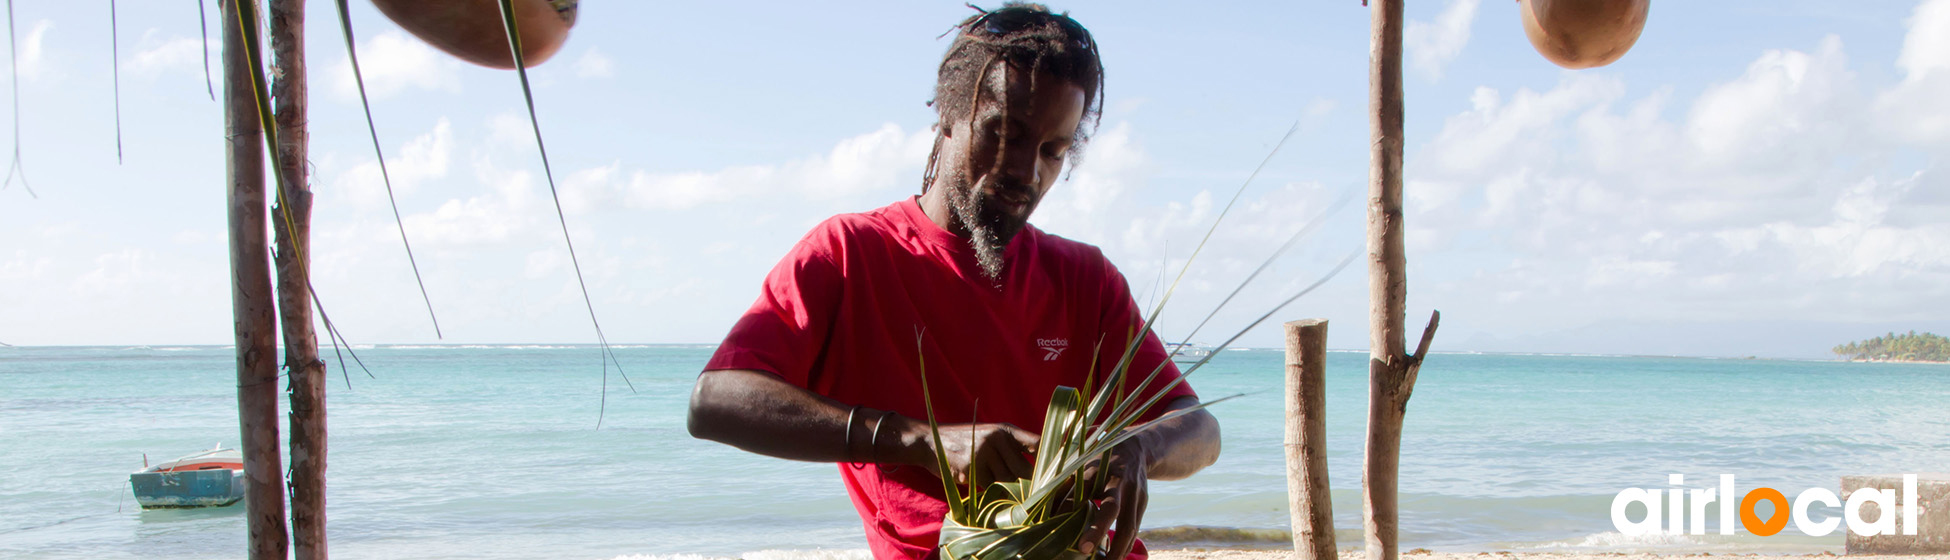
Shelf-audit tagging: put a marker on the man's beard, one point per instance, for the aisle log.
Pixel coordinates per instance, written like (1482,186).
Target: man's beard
(989,230)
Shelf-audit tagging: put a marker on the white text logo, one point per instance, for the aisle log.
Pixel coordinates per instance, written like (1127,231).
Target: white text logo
(1673,504)
(1052,347)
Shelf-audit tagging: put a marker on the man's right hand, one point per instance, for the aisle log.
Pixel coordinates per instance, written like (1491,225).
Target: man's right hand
(758,412)
(1000,452)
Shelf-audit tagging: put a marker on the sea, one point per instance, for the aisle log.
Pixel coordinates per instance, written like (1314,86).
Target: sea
(493,452)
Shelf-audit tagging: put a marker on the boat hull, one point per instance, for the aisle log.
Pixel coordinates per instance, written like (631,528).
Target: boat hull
(188,489)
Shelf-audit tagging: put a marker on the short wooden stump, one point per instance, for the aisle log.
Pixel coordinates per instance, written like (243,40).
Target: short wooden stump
(1932,515)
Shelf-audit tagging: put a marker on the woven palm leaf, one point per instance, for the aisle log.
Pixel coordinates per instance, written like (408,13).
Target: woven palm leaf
(1044,516)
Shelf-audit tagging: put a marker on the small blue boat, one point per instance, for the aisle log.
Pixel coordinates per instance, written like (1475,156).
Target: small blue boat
(209,479)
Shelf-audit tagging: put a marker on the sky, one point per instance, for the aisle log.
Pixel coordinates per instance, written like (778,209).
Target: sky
(1756,177)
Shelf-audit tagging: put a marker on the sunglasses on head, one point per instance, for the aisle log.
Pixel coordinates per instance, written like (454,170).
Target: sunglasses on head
(1004,21)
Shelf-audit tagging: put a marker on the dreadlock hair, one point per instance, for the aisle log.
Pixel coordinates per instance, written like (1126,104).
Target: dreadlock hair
(1024,36)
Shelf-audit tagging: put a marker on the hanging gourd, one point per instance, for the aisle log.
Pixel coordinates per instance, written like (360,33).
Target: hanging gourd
(473,29)
(1583,33)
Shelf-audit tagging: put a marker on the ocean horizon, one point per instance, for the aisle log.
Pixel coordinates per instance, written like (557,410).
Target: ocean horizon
(492,451)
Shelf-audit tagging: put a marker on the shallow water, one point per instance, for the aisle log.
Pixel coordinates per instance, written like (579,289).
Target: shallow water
(491,452)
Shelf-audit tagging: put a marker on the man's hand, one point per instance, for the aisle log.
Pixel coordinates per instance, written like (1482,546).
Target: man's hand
(1126,494)
(999,451)
(1169,450)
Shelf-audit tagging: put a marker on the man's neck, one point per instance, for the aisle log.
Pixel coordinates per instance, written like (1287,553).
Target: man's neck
(934,203)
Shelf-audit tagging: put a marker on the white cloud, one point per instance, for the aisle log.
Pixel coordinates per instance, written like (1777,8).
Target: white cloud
(1785,104)
(592,189)
(393,62)
(24,267)
(506,131)
(594,64)
(1752,203)
(194,237)
(1431,46)
(118,272)
(1498,134)
(1094,202)
(505,212)
(1914,110)
(1612,270)
(1109,202)
(1926,48)
(157,57)
(33,50)
(862,164)
(1859,239)
(424,158)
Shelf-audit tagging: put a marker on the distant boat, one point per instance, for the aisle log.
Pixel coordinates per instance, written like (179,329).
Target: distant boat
(1187,353)
(208,479)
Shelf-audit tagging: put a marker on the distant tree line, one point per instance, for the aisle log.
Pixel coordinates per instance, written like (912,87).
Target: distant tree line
(1923,347)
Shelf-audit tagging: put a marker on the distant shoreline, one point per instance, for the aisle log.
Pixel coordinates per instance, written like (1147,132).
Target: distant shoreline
(1882,361)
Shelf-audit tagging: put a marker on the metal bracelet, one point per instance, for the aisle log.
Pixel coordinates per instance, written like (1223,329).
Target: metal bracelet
(846,441)
(873,441)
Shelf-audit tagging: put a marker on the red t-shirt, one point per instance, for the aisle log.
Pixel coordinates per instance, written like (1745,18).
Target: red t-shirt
(839,315)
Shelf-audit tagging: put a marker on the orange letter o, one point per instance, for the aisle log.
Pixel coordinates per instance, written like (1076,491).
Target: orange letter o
(1753,523)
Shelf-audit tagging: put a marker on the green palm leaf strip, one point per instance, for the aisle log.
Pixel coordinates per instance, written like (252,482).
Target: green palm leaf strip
(1042,517)
(247,25)
(956,509)
(13,68)
(358,79)
(1130,349)
(115,67)
(528,95)
(203,22)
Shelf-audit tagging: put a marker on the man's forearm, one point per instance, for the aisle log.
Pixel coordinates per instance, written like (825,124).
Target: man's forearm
(1179,447)
(758,412)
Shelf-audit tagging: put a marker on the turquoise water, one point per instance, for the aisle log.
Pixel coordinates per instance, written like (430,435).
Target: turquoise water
(491,451)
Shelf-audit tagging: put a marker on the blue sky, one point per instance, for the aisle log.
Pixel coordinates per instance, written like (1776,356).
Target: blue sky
(1754,178)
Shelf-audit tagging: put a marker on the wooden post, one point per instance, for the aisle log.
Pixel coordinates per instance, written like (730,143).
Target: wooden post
(292,221)
(1310,499)
(251,301)
(1391,370)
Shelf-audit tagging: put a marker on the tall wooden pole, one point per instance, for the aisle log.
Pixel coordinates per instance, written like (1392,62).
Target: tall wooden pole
(1391,370)
(1309,497)
(292,222)
(251,301)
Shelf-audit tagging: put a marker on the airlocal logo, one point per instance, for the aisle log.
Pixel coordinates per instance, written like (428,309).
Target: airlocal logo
(1675,501)
(1052,347)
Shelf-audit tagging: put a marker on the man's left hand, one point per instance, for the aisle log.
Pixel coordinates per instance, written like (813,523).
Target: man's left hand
(1126,494)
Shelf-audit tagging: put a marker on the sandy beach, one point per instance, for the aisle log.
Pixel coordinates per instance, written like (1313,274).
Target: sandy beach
(1426,555)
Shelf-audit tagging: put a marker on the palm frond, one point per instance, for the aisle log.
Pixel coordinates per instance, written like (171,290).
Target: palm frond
(115,67)
(528,95)
(203,23)
(359,79)
(13,69)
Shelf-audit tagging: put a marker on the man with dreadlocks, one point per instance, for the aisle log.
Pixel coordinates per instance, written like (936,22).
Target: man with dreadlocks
(826,366)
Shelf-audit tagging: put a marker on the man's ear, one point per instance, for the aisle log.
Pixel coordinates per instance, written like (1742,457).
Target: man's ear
(945,131)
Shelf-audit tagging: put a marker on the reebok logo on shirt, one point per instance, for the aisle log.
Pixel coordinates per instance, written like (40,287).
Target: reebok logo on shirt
(1052,347)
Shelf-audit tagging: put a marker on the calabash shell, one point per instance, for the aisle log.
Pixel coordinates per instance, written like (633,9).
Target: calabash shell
(1583,33)
(472,29)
